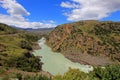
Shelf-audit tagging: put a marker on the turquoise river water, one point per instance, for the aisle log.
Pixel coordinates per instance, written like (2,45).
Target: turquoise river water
(56,63)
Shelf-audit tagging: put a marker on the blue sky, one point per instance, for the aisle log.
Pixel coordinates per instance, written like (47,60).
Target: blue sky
(49,13)
(44,10)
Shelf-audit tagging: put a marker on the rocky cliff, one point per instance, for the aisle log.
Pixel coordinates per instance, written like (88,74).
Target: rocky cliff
(91,42)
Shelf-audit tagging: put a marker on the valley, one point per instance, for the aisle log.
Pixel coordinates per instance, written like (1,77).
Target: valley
(79,50)
(56,63)
(59,39)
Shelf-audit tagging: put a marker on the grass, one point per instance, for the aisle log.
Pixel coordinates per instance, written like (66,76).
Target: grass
(15,47)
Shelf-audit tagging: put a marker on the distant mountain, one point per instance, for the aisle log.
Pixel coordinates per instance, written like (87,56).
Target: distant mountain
(39,30)
(89,42)
(30,29)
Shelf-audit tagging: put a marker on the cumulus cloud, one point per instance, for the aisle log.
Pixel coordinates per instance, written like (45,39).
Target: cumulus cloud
(24,24)
(16,13)
(90,9)
(14,8)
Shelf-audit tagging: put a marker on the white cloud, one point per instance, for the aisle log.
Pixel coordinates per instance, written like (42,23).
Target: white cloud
(90,9)
(16,16)
(69,5)
(14,8)
(24,24)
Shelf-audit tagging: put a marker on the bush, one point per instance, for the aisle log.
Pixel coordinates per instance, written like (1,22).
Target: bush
(72,74)
(19,76)
(111,72)
(108,73)
(2,70)
(36,77)
(25,45)
(26,62)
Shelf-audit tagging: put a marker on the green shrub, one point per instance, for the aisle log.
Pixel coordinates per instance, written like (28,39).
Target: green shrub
(108,73)
(19,76)
(37,77)
(2,70)
(72,74)
(25,45)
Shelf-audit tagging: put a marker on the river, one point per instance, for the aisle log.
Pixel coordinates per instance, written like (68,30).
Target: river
(56,63)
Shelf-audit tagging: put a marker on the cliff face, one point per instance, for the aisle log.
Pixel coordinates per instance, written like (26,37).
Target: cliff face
(87,39)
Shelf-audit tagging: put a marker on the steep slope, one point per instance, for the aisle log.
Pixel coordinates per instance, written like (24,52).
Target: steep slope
(16,47)
(90,42)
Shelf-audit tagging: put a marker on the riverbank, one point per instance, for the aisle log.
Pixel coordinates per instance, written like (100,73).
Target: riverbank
(36,46)
(87,59)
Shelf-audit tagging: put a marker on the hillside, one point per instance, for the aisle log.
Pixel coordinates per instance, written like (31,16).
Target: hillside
(89,42)
(16,48)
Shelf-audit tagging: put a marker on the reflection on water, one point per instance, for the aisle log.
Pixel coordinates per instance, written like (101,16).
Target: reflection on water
(56,63)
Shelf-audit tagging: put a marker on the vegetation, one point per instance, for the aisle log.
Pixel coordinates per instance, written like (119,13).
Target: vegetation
(4,29)
(20,76)
(107,73)
(2,70)
(37,77)
(72,74)
(87,37)
(16,47)
(84,37)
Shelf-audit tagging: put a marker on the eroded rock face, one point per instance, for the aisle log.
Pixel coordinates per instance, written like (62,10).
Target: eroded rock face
(87,37)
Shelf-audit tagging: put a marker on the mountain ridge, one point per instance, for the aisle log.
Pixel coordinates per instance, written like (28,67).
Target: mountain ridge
(90,39)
